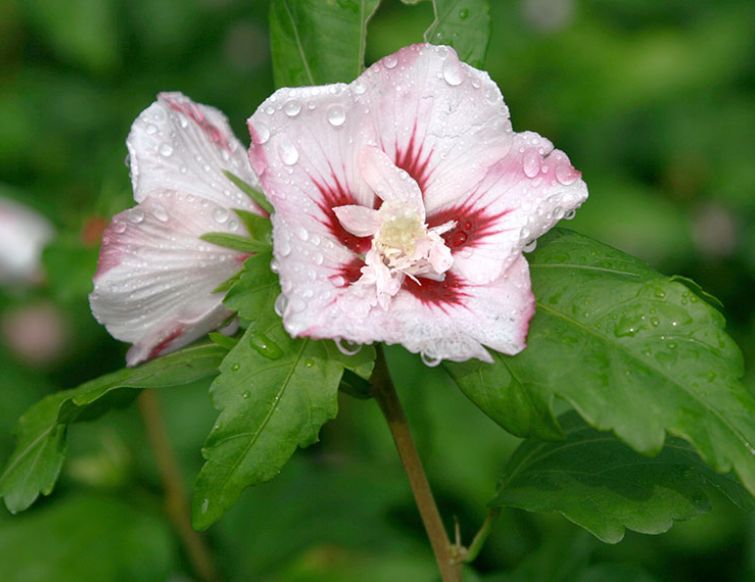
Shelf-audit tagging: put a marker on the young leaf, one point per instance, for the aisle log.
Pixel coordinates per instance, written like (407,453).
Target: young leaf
(632,350)
(257,197)
(235,242)
(255,290)
(315,42)
(274,393)
(41,446)
(599,483)
(464,25)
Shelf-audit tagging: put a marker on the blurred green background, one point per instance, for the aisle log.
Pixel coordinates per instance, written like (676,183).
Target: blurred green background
(653,101)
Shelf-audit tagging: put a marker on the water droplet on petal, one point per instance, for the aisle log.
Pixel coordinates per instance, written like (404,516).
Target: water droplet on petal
(119,226)
(359,88)
(151,129)
(220,215)
(452,72)
(302,233)
(166,150)
(390,61)
(430,361)
(531,163)
(160,214)
(347,348)
(262,133)
(566,174)
(336,115)
(288,153)
(292,108)
(280,304)
(530,246)
(136,216)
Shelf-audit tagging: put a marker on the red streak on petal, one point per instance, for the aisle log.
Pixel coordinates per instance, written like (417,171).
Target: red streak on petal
(193,112)
(442,294)
(411,160)
(473,224)
(334,195)
(350,272)
(165,343)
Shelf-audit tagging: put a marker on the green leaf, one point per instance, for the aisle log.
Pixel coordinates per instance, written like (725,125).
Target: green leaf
(464,25)
(631,350)
(87,538)
(257,197)
(258,227)
(601,484)
(314,42)
(70,266)
(274,393)
(40,451)
(235,242)
(255,290)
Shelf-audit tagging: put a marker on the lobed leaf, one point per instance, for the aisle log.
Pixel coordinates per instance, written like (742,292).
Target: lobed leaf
(601,484)
(274,393)
(34,466)
(631,350)
(315,42)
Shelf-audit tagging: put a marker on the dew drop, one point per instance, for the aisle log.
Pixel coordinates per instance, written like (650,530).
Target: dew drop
(430,361)
(463,14)
(359,89)
(205,505)
(288,153)
(390,62)
(292,108)
(151,129)
(235,367)
(220,215)
(309,363)
(347,348)
(119,226)
(136,216)
(166,150)
(280,304)
(160,214)
(336,115)
(452,72)
(265,346)
(246,394)
(302,233)
(261,133)
(531,163)
(570,215)
(530,246)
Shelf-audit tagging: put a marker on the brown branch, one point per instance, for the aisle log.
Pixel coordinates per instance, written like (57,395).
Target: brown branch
(176,501)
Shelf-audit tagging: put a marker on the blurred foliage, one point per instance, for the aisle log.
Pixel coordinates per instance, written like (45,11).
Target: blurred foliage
(653,101)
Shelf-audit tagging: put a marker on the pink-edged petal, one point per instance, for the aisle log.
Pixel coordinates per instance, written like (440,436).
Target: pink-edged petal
(155,281)
(180,145)
(305,143)
(358,220)
(439,119)
(451,319)
(23,235)
(520,198)
(388,182)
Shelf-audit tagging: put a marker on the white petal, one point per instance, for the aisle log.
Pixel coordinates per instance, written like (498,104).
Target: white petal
(358,220)
(156,279)
(176,144)
(389,182)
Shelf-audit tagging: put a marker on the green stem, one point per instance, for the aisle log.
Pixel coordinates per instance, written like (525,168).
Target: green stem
(385,394)
(481,537)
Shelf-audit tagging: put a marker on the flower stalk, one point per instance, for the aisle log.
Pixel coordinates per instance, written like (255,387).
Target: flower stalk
(385,394)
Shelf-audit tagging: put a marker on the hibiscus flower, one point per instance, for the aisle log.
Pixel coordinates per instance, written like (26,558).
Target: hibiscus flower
(156,279)
(403,203)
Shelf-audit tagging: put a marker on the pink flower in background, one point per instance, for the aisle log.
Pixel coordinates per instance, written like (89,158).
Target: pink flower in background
(23,235)
(403,202)
(155,280)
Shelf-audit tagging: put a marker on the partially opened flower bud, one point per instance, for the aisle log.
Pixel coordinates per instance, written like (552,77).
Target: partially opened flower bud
(156,280)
